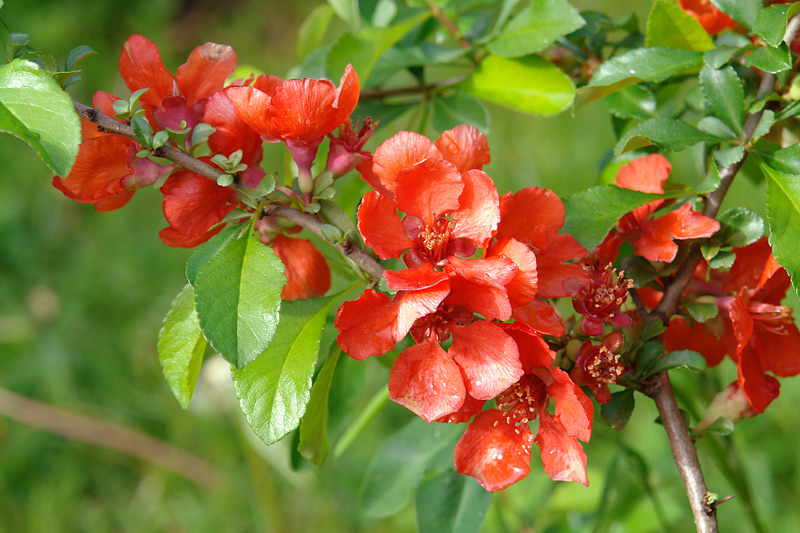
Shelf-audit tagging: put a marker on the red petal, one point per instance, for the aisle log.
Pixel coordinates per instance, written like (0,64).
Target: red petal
(573,408)
(712,19)
(680,336)
(470,408)
(171,237)
(488,357)
(532,215)
(522,288)
(346,95)
(563,457)
(252,106)
(307,272)
(428,189)
(205,71)
(193,204)
(141,67)
(780,352)
(413,305)
(493,451)
(367,173)
(541,317)
(758,388)
(381,227)
(365,325)
(98,171)
(426,381)
(267,84)
(232,133)
(403,150)
(654,243)
(465,147)
(742,323)
(304,110)
(479,208)
(646,174)
(113,202)
(534,352)
(481,290)
(414,279)
(686,223)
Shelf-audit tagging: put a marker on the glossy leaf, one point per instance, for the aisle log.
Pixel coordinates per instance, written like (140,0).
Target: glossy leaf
(181,346)
(652,360)
(729,156)
(274,390)
(459,108)
(529,84)
(786,160)
(592,213)
(783,215)
(35,109)
(743,11)
(770,24)
(618,410)
(724,93)
(632,102)
(670,26)
(641,64)
(739,227)
(666,133)
(534,28)
(450,503)
(398,465)
(206,251)
(314,425)
(238,299)
(770,59)
(702,312)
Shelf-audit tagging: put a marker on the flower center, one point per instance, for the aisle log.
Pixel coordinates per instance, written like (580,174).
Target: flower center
(603,295)
(354,138)
(434,238)
(773,318)
(603,365)
(523,400)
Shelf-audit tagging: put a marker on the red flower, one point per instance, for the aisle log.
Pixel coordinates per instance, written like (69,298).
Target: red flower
(712,19)
(653,238)
(598,366)
(495,449)
(345,152)
(599,301)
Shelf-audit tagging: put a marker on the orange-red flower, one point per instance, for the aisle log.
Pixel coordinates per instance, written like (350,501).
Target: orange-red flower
(708,15)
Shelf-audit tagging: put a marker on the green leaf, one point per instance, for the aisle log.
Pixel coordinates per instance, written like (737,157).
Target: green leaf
(725,95)
(206,251)
(459,108)
(652,330)
(36,110)
(313,29)
(400,462)
(238,299)
(765,124)
(717,57)
(314,425)
(666,133)
(648,356)
(632,102)
(78,54)
(720,426)
(670,26)
(450,503)
(654,362)
(743,11)
(722,260)
(715,127)
(347,10)
(729,156)
(528,84)
(273,390)
(181,346)
(770,59)
(618,410)
(783,215)
(535,28)
(592,213)
(739,227)
(702,312)
(785,160)
(640,64)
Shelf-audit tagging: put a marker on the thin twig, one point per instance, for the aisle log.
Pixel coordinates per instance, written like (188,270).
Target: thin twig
(448,24)
(109,435)
(306,220)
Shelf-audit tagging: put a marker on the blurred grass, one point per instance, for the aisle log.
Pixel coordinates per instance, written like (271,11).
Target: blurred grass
(82,296)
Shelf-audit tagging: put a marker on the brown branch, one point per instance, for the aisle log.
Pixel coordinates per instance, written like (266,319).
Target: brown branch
(109,435)
(306,220)
(681,445)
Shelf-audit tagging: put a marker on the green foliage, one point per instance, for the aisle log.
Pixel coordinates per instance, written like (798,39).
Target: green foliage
(534,28)
(702,312)
(448,502)
(314,425)
(35,109)
(238,299)
(181,346)
(739,227)
(725,95)
(273,391)
(770,58)
(669,26)
(651,359)
(635,101)
(742,11)
(529,84)
(459,108)
(669,134)
(783,214)
(313,30)
(619,409)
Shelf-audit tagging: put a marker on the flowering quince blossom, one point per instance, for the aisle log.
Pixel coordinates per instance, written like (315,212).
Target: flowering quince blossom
(708,15)
(598,366)
(495,448)
(599,301)
(754,329)
(653,237)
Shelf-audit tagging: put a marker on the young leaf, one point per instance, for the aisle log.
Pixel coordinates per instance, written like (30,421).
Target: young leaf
(528,84)
(783,214)
(238,299)
(273,390)
(450,503)
(459,108)
(181,346)
(670,26)
(618,410)
(534,28)
(591,214)
(725,95)
(399,463)
(739,227)
(314,425)
(666,133)
(78,54)
(34,109)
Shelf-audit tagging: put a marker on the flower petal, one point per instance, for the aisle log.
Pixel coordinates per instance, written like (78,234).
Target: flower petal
(532,215)
(573,408)
(428,189)
(680,336)
(304,110)
(252,106)
(563,457)
(465,147)
(403,150)
(346,95)
(365,325)
(478,213)
(232,132)
(470,408)
(205,71)
(488,357)
(141,67)
(413,305)
(414,279)
(541,317)
(758,388)
(426,381)
(381,227)
(493,451)
(307,272)
(522,288)
(99,169)
(534,352)
(645,174)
